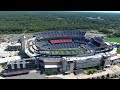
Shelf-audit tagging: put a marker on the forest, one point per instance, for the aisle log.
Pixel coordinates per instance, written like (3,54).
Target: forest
(18,22)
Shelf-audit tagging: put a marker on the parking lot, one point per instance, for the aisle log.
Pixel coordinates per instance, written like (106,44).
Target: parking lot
(32,76)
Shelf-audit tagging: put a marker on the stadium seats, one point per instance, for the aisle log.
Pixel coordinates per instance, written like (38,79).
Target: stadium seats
(69,39)
(59,46)
(51,34)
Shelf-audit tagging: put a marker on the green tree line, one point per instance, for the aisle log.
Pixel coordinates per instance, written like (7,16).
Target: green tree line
(14,24)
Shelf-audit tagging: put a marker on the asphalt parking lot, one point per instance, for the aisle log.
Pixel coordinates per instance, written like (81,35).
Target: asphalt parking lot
(31,76)
(27,76)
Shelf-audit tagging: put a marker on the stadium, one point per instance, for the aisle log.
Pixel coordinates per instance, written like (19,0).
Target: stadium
(66,50)
(63,51)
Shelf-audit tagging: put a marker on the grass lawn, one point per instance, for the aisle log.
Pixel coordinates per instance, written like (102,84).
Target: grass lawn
(118,51)
(113,39)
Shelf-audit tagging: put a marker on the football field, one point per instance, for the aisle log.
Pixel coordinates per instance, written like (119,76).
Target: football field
(67,51)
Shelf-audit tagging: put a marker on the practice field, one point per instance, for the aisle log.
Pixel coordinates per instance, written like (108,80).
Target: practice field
(113,39)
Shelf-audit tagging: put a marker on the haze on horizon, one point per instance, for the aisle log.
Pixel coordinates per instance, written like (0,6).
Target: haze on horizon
(67,11)
(59,12)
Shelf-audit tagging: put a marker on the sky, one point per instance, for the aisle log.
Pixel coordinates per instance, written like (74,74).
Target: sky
(63,11)
(70,11)
(99,11)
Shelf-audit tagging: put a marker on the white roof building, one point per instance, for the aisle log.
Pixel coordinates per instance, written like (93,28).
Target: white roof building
(8,59)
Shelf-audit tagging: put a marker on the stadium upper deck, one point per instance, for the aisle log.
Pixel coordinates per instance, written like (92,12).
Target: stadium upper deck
(59,39)
(64,33)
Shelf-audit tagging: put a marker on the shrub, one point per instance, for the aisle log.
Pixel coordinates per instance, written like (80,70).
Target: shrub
(90,71)
(115,76)
(103,77)
(50,72)
(93,78)
(3,65)
(98,77)
(118,51)
(108,76)
(99,67)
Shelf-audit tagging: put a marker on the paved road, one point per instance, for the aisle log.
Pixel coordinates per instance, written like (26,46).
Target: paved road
(14,37)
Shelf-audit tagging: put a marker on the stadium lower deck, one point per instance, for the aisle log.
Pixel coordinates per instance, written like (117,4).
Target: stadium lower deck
(63,51)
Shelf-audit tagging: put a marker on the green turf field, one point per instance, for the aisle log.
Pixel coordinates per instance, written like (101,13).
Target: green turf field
(113,39)
(67,51)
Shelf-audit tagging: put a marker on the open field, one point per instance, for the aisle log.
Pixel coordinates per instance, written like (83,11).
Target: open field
(113,39)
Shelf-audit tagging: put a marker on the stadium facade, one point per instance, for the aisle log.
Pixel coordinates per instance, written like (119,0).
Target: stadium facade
(65,51)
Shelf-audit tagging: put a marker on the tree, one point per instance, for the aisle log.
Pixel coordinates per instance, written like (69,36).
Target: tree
(108,75)
(117,34)
(98,77)
(34,22)
(103,77)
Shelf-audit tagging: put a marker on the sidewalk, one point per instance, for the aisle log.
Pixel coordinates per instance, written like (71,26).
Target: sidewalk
(112,70)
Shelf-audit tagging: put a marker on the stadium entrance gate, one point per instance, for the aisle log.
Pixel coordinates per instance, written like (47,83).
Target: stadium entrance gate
(68,66)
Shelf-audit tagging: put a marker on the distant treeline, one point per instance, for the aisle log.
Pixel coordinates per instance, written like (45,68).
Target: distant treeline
(14,24)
